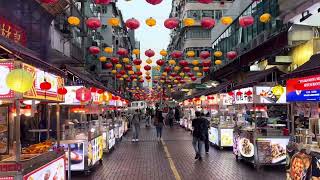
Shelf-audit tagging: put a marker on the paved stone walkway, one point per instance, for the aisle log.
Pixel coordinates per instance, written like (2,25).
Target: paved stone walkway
(147,160)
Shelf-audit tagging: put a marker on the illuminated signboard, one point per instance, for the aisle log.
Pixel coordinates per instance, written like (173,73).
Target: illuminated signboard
(13,32)
(70,97)
(303,89)
(226,99)
(268,95)
(243,96)
(5,68)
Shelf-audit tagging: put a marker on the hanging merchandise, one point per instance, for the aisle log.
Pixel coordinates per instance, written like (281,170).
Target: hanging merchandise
(113,22)
(183,63)
(205,69)
(177,68)
(132,24)
(208,23)
(167,69)
(137,62)
(171,23)
(172,62)
(128,67)
(226,20)
(246,21)
(118,66)
(149,61)
(19,80)
(186,69)
(108,65)
(126,60)
(102,59)
(74,21)
(232,55)
(206,63)
(114,60)
(136,51)
(93,23)
(147,68)
(94,50)
(195,62)
(196,69)
(190,53)
(151,22)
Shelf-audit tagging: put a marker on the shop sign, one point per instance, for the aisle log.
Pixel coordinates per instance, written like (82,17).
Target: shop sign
(7,178)
(13,32)
(242,96)
(10,167)
(272,150)
(76,154)
(51,171)
(226,99)
(226,137)
(40,76)
(112,139)
(95,150)
(271,95)
(303,89)
(5,68)
(70,97)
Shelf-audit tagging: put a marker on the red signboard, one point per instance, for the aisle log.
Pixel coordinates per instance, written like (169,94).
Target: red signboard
(12,31)
(9,167)
(7,178)
(304,89)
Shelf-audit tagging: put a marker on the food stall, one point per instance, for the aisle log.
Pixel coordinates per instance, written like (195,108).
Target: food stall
(261,129)
(303,150)
(20,114)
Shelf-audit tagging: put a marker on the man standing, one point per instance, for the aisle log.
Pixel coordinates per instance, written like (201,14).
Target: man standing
(199,128)
(136,125)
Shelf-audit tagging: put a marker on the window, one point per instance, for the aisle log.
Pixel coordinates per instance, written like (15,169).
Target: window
(197,33)
(218,14)
(208,13)
(196,14)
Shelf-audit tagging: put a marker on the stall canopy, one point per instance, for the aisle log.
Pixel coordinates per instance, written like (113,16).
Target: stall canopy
(311,67)
(26,55)
(270,75)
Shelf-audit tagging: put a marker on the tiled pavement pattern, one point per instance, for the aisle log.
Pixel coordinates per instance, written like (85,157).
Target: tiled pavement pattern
(147,160)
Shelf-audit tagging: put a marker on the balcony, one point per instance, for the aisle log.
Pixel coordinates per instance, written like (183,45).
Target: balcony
(56,8)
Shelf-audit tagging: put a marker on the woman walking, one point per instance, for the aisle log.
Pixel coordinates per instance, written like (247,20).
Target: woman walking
(136,125)
(158,123)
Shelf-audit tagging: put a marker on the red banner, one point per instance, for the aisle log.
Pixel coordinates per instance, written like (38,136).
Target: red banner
(12,32)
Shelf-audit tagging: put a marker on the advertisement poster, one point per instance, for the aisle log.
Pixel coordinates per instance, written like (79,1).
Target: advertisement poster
(104,137)
(271,94)
(300,166)
(5,92)
(76,154)
(303,89)
(55,170)
(213,135)
(95,150)
(4,133)
(246,145)
(227,137)
(243,96)
(315,165)
(226,99)
(272,150)
(112,139)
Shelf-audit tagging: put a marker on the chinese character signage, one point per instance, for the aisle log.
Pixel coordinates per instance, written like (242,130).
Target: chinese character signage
(12,32)
(303,89)
(5,68)
(243,96)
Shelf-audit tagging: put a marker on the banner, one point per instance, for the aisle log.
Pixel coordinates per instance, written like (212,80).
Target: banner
(303,89)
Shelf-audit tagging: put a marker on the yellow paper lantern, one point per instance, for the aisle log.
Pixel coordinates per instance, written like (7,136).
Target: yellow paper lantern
(134,79)
(203,98)
(130,72)
(190,53)
(265,18)
(218,54)
(137,88)
(125,76)
(179,85)
(118,66)
(19,80)
(114,71)
(158,68)
(175,81)
(74,21)
(126,60)
(148,73)
(171,78)
(102,59)
(162,81)
(181,74)
(163,52)
(188,22)
(169,86)
(176,68)
(149,61)
(136,51)
(227,20)
(113,21)
(107,96)
(148,80)
(140,77)
(138,67)
(218,62)
(196,69)
(199,74)
(195,62)
(121,79)
(108,50)
(151,22)
(172,62)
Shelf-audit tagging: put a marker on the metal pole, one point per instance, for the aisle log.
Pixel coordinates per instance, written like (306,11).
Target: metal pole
(292,119)
(48,121)
(69,162)
(58,124)
(18,142)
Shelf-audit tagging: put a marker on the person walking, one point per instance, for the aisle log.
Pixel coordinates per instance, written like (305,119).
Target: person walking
(170,117)
(206,131)
(159,123)
(136,125)
(199,128)
(177,114)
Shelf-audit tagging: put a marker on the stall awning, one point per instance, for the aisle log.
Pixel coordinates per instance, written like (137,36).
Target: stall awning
(259,76)
(213,90)
(27,56)
(312,67)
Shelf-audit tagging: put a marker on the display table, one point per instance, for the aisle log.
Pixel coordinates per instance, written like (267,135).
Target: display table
(221,136)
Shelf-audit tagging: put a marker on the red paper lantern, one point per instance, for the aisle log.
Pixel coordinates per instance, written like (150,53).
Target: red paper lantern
(83,94)
(149,53)
(148,77)
(108,65)
(49,1)
(93,89)
(62,91)
(239,93)
(128,67)
(206,63)
(230,93)
(138,73)
(154,2)
(205,1)
(179,78)
(168,81)
(93,23)
(147,68)
(122,52)
(160,62)
(122,72)
(193,78)
(186,69)
(249,93)
(231,55)
(204,54)
(246,21)
(141,80)
(173,74)
(155,81)
(205,69)
(103,2)
(94,50)
(183,63)
(128,80)
(176,54)
(208,23)
(100,91)
(133,76)
(137,61)
(190,74)
(132,24)
(115,60)
(171,23)
(167,69)
(182,81)
(45,86)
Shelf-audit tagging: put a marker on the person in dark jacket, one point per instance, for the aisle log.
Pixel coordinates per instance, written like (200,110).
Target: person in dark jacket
(177,114)
(206,141)
(159,123)
(199,130)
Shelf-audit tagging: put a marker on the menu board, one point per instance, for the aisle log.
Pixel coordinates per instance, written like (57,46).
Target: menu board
(270,95)
(213,135)
(4,133)
(51,171)
(226,137)
(303,89)
(95,150)
(76,154)
(272,150)
(242,96)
